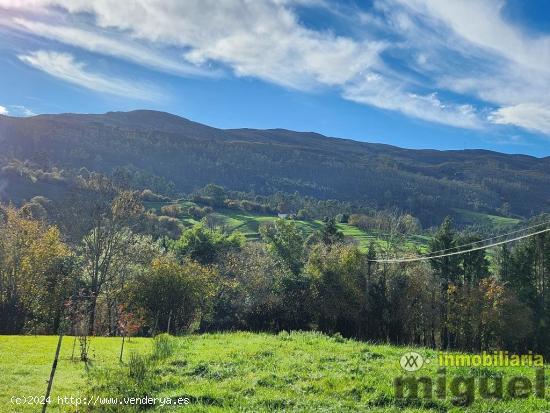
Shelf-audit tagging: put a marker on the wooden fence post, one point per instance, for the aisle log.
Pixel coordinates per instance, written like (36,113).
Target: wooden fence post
(52,373)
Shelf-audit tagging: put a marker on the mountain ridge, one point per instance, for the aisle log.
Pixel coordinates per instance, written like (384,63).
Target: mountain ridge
(159,149)
(269,131)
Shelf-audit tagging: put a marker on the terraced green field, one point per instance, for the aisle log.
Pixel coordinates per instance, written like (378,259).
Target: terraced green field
(494,221)
(249,223)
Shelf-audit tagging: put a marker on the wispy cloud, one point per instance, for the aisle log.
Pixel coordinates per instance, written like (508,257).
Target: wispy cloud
(530,116)
(261,39)
(491,59)
(16,110)
(386,94)
(456,63)
(108,45)
(20,110)
(65,67)
(481,23)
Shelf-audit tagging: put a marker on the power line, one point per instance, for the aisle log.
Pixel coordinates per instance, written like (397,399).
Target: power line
(486,239)
(401,260)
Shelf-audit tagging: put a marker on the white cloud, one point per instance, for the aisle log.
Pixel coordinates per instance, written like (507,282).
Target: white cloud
(16,110)
(533,116)
(480,22)
(465,47)
(20,110)
(65,67)
(108,45)
(519,96)
(387,94)
(494,60)
(263,39)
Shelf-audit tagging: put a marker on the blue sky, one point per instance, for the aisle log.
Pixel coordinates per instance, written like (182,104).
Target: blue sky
(413,73)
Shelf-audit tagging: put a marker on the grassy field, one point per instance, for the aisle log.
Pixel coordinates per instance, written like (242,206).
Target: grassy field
(493,221)
(237,372)
(248,224)
(25,363)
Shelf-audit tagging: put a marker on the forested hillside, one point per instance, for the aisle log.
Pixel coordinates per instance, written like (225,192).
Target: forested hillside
(94,247)
(171,155)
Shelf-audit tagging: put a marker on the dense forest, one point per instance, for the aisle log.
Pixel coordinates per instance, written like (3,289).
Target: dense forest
(43,155)
(105,269)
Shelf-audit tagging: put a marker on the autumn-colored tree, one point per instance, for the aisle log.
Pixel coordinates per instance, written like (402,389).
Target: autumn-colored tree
(174,297)
(36,274)
(104,251)
(128,324)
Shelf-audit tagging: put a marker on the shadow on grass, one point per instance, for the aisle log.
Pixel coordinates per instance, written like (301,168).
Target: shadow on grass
(417,403)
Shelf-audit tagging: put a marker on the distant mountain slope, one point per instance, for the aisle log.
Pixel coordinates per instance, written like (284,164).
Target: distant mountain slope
(161,148)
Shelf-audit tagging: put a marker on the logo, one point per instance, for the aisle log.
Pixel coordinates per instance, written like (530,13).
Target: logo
(411,361)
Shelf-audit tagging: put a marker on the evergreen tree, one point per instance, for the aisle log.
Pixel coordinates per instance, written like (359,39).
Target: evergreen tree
(330,233)
(447,269)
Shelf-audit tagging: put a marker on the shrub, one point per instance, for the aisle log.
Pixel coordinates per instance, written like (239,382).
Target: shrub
(342,218)
(251,206)
(198,212)
(169,226)
(302,215)
(204,244)
(150,196)
(163,347)
(232,204)
(174,295)
(173,210)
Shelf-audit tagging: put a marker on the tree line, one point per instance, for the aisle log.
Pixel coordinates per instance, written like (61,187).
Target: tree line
(119,279)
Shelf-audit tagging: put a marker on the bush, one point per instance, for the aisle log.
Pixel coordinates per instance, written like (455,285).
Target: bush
(198,213)
(173,210)
(232,204)
(163,347)
(33,210)
(251,206)
(214,193)
(164,226)
(187,291)
(342,218)
(150,196)
(361,221)
(204,244)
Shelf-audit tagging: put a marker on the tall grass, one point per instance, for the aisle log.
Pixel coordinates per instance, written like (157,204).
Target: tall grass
(138,377)
(163,347)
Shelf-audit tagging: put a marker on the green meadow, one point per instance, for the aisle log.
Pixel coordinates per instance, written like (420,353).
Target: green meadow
(492,221)
(249,372)
(248,223)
